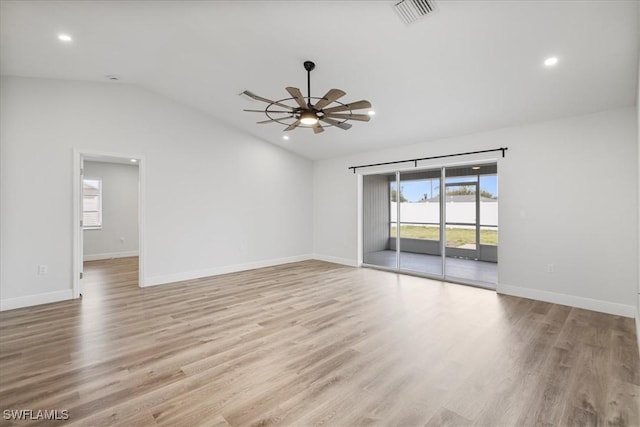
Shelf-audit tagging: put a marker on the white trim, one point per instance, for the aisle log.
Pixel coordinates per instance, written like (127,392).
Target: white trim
(30,300)
(77,229)
(215,271)
(638,329)
(142,178)
(570,300)
(360,245)
(336,260)
(638,325)
(97,257)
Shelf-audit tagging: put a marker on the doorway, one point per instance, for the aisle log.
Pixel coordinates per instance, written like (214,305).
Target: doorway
(440,223)
(107,209)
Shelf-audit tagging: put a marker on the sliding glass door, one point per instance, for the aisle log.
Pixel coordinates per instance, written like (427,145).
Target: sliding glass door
(420,233)
(378,220)
(439,223)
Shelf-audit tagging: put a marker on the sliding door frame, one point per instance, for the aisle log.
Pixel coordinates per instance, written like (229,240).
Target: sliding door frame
(398,223)
(443,250)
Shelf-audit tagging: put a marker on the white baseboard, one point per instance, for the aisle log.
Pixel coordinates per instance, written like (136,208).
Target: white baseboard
(110,255)
(336,260)
(30,300)
(215,271)
(570,300)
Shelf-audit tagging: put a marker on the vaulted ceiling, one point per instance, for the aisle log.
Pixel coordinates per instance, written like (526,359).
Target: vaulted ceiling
(468,67)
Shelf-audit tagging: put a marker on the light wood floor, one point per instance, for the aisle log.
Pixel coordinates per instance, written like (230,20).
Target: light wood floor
(313,343)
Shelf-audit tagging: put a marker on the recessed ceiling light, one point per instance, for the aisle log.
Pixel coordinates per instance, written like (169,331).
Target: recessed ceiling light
(64,37)
(371,113)
(475,168)
(551,61)
(134,160)
(285,137)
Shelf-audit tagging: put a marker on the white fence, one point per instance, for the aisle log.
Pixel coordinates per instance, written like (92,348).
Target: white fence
(420,212)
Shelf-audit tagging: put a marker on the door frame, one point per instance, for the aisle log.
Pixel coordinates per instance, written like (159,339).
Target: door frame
(395,169)
(79,157)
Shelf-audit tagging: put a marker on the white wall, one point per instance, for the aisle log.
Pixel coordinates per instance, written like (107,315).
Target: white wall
(203,181)
(573,165)
(118,236)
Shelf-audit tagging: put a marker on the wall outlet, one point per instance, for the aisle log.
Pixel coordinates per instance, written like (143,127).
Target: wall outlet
(551,268)
(43,269)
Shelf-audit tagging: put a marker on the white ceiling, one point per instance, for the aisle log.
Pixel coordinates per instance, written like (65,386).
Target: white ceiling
(471,66)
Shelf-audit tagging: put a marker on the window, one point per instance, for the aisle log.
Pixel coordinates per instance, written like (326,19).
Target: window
(92,204)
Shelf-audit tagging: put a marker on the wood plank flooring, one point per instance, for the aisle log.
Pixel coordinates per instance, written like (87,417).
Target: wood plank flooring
(314,343)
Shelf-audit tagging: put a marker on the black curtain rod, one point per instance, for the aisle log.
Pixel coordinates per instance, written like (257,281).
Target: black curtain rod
(415,161)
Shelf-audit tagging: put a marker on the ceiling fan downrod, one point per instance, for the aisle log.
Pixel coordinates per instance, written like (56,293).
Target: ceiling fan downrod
(309,66)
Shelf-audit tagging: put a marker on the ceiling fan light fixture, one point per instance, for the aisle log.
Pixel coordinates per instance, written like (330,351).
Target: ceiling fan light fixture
(326,109)
(308,118)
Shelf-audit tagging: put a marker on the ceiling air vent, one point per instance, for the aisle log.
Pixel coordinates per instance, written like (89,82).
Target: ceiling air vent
(411,10)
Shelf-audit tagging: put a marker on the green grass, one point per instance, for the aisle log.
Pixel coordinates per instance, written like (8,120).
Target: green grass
(456,237)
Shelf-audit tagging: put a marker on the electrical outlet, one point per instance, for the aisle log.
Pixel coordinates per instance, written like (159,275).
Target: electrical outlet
(551,268)
(43,269)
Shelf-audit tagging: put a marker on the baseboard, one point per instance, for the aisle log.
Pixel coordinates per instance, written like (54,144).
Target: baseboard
(336,260)
(570,300)
(110,255)
(30,300)
(215,271)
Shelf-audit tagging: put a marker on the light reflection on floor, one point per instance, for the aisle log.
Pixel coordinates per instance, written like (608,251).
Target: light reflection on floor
(480,272)
(99,296)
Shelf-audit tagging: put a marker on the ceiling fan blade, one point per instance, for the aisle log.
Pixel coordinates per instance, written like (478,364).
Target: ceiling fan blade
(317,128)
(328,98)
(275,120)
(359,117)
(292,126)
(346,107)
(336,123)
(270,111)
(295,93)
(259,98)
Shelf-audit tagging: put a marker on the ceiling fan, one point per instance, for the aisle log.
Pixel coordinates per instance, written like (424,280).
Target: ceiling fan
(327,109)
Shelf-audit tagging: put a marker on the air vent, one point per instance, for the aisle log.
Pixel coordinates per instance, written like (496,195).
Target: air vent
(411,10)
